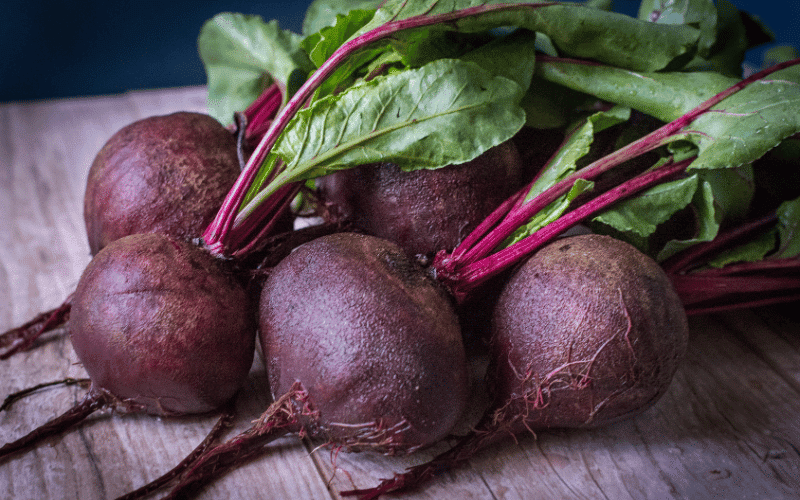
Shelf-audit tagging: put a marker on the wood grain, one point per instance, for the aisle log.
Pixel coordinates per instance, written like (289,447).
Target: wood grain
(727,428)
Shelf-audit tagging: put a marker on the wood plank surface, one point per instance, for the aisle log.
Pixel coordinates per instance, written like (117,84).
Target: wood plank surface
(728,428)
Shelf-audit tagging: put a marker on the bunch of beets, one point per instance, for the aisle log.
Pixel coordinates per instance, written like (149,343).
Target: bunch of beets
(365,327)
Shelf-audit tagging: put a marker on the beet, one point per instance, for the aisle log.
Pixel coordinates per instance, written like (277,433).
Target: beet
(161,327)
(373,340)
(587,332)
(423,211)
(166,174)
(161,324)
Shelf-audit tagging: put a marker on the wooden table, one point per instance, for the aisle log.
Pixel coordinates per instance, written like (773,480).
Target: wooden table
(729,427)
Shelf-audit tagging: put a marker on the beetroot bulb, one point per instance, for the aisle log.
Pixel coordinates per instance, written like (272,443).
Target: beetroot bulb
(161,327)
(363,352)
(372,339)
(166,174)
(586,332)
(423,211)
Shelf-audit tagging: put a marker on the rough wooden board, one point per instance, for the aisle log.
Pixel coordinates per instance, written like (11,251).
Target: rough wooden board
(727,428)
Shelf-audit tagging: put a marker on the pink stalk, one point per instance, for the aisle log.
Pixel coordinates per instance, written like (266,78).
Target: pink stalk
(255,229)
(512,204)
(735,286)
(692,309)
(474,274)
(497,214)
(693,255)
(263,110)
(721,293)
(761,266)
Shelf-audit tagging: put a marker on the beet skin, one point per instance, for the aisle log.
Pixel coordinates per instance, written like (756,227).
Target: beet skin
(159,324)
(165,174)
(424,211)
(588,331)
(372,339)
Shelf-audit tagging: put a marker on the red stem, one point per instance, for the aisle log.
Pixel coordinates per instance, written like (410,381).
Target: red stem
(262,111)
(761,266)
(694,288)
(472,275)
(497,214)
(242,240)
(694,309)
(281,418)
(22,337)
(693,255)
(93,401)
(223,423)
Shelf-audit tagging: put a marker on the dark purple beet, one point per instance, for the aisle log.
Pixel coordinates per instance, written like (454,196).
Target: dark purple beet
(161,327)
(160,324)
(373,340)
(423,211)
(588,331)
(167,174)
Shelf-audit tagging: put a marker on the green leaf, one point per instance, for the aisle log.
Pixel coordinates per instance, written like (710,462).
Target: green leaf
(550,213)
(736,34)
(322,13)
(789,229)
(574,29)
(446,112)
(577,145)
(706,220)
(699,13)
(640,216)
(666,96)
(733,190)
(739,130)
(564,163)
(243,55)
(779,54)
(746,125)
(321,44)
(752,251)
(512,57)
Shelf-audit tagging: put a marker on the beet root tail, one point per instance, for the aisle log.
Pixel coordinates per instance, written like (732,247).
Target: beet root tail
(416,476)
(223,422)
(22,337)
(281,418)
(93,401)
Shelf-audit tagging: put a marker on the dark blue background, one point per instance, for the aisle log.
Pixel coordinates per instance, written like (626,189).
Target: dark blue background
(52,49)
